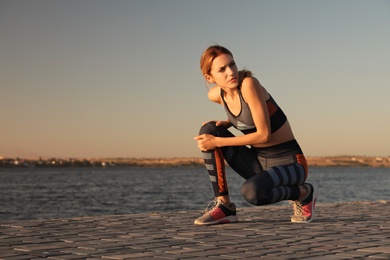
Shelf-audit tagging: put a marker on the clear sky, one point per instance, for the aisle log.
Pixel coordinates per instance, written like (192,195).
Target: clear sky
(95,78)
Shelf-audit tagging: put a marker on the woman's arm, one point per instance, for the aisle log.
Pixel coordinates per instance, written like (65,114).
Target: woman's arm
(255,95)
(214,94)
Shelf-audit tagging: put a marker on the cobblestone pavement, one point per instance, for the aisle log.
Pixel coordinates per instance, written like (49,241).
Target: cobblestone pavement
(357,230)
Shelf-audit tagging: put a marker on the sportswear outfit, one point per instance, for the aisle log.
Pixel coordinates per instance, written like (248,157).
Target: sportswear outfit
(272,173)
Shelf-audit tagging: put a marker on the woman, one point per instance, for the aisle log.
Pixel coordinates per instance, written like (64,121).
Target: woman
(267,155)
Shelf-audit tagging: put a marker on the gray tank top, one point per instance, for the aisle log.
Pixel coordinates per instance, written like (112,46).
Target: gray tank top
(244,121)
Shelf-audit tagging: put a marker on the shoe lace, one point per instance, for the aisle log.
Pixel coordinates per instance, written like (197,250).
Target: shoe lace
(298,208)
(212,205)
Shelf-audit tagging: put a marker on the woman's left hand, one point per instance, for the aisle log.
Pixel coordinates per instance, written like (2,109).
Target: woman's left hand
(206,142)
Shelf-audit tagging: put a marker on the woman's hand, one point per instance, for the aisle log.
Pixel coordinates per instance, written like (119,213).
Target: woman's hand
(226,123)
(206,142)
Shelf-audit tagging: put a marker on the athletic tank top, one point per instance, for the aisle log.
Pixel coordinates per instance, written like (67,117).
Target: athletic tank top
(244,121)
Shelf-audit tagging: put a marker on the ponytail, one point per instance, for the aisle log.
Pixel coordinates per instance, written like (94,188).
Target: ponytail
(244,73)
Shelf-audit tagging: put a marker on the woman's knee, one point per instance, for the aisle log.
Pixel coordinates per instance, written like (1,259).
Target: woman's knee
(208,128)
(248,191)
(253,192)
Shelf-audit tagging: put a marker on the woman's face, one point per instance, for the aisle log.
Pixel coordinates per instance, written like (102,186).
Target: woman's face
(224,72)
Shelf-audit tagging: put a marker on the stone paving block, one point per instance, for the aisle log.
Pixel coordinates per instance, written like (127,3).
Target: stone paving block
(128,256)
(80,251)
(5,254)
(354,254)
(18,257)
(376,249)
(380,256)
(43,247)
(69,257)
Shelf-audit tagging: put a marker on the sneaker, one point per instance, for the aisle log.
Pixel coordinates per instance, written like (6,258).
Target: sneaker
(304,211)
(218,213)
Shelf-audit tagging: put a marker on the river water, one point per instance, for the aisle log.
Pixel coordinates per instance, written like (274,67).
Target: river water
(42,193)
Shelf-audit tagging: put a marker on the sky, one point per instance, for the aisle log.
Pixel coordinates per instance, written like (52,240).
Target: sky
(95,78)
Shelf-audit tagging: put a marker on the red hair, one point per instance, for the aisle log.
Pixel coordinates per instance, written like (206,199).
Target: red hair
(212,52)
(208,56)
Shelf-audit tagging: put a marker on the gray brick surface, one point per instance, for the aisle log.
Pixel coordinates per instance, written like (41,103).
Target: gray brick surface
(355,230)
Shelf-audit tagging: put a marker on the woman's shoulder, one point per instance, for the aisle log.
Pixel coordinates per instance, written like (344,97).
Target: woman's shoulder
(251,85)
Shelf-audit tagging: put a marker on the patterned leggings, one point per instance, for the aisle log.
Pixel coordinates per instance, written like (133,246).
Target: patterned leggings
(268,180)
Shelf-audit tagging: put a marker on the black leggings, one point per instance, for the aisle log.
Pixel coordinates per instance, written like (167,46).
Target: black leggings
(268,180)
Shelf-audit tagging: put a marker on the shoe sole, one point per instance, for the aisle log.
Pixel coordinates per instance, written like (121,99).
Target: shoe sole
(315,195)
(228,219)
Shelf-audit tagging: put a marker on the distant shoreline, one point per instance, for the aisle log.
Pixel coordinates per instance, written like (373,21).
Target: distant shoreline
(325,161)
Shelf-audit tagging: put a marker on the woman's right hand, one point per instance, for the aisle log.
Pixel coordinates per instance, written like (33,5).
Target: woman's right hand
(225,123)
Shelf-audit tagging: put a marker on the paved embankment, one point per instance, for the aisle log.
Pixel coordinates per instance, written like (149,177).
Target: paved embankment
(358,230)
